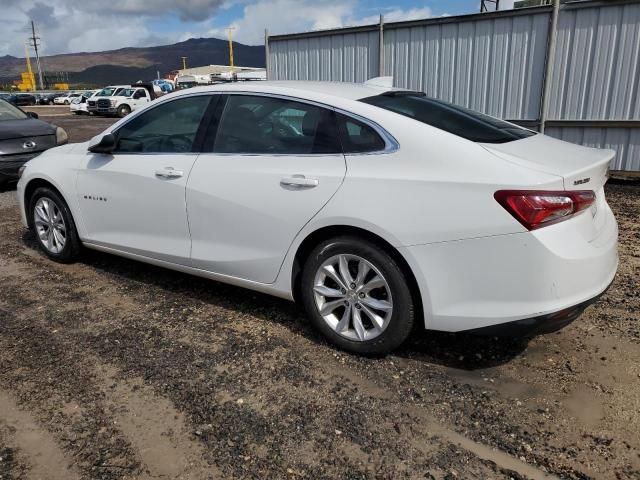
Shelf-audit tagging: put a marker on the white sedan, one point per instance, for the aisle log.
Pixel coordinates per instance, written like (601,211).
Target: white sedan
(78,105)
(376,208)
(66,99)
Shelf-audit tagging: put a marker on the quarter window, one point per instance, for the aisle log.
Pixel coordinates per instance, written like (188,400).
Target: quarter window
(358,137)
(267,125)
(170,127)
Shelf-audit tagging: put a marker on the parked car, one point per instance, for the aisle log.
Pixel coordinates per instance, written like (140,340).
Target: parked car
(65,99)
(48,98)
(21,99)
(22,137)
(125,100)
(78,105)
(375,208)
(111,90)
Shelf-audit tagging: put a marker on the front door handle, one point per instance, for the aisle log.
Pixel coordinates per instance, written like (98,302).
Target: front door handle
(169,172)
(299,181)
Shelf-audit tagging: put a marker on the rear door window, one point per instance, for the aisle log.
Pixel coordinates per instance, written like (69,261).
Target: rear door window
(270,125)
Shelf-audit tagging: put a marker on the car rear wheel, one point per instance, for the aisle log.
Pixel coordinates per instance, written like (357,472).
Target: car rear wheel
(55,230)
(124,110)
(357,296)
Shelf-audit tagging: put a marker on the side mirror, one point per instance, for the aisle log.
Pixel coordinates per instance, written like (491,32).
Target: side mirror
(32,114)
(103,143)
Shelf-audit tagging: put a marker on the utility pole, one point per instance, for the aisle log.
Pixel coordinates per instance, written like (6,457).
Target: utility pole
(35,42)
(184,63)
(229,30)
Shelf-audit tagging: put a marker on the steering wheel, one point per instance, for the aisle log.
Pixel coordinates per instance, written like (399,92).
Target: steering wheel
(178,143)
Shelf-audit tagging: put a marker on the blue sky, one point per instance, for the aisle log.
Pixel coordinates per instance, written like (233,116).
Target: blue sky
(92,25)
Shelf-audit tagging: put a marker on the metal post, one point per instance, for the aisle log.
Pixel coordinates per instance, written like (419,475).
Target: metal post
(381,47)
(550,60)
(266,52)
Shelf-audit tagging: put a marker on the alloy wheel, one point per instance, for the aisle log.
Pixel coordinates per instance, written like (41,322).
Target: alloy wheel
(49,224)
(353,297)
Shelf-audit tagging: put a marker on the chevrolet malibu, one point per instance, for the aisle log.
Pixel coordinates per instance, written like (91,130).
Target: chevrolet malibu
(376,208)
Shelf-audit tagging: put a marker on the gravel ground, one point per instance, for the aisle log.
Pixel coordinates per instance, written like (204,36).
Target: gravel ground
(111,369)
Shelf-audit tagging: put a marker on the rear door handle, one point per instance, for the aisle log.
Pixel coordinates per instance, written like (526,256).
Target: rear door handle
(299,181)
(169,172)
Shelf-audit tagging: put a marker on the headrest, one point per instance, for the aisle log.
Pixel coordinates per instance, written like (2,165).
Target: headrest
(310,122)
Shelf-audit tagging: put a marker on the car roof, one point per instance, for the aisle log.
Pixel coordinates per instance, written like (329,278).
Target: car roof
(302,89)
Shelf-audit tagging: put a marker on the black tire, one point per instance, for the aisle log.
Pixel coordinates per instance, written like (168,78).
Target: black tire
(66,102)
(72,246)
(402,317)
(124,110)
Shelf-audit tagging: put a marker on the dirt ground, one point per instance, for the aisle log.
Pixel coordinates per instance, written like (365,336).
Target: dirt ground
(114,369)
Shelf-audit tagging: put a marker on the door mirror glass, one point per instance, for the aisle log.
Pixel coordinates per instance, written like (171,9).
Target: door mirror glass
(103,144)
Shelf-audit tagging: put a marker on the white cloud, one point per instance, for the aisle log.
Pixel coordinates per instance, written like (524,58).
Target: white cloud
(287,16)
(398,15)
(90,25)
(94,25)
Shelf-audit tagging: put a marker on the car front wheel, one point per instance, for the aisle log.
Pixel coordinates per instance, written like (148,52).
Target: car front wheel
(124,110)
(55,230)
(357,296)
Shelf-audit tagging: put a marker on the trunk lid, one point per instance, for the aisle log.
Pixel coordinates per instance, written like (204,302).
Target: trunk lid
(581,168)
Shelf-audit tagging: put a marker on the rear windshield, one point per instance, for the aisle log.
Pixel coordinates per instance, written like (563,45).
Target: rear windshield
(460,121)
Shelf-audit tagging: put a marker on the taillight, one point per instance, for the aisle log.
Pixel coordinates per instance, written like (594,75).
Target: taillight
(537,208)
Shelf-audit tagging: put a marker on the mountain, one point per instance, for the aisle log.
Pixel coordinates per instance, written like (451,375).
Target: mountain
(131,64)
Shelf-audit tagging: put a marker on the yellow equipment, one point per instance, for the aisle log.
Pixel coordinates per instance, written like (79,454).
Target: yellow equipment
(28,82)
(229,30)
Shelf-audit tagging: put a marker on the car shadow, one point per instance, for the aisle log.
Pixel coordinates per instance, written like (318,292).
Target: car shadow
(453,350)
(461,351)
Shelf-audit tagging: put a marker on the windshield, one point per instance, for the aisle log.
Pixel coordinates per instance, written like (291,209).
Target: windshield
(107,92)
(460,121)
(9,112)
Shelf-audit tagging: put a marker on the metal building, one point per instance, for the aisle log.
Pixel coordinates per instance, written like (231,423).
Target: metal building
(581,86)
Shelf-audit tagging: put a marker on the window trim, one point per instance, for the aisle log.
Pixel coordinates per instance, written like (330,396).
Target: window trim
(198,141)
(391,144)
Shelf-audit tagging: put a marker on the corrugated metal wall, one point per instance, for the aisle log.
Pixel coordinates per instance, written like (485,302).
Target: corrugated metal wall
(495,63)
(344,58)
(494,66)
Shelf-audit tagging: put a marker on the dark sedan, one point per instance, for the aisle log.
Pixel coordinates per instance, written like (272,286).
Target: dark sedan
(48,98)
(21,99)
(22,137)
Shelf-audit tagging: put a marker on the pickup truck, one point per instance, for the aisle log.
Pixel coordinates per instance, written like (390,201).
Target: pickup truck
(111,90)
(125,100)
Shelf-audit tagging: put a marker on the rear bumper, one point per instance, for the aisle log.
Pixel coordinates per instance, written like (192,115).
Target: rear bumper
(541,325)
(536,281)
